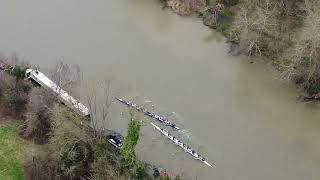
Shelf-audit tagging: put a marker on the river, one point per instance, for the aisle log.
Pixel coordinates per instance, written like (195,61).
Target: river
(242,119)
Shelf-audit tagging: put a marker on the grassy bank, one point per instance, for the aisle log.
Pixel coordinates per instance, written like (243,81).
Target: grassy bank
(10,150)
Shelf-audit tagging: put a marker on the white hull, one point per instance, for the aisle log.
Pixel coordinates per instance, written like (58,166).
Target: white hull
(63,96)
(182,145)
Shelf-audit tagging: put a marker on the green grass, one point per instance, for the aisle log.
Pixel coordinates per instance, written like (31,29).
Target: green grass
(10,147)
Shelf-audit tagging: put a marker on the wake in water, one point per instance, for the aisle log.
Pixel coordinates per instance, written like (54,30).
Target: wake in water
(186,133)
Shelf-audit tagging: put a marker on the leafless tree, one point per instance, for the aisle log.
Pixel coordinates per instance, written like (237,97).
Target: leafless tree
(67,77)
(304,58)
(99,100)
(256,26)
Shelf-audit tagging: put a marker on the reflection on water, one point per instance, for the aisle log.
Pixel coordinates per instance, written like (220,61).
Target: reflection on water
(238,115)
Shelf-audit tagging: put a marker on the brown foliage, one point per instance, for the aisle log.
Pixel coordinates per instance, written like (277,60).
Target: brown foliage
(37,125)
(13,96)
(303,59)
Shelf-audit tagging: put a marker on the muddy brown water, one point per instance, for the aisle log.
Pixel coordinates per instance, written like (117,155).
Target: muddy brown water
(237,114)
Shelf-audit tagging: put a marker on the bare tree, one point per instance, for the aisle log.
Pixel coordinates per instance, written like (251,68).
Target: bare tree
(67,77)
(303,60)
(99,100)
(107,101)
(257,27)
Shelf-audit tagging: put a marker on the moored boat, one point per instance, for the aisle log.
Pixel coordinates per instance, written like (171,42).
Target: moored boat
(43,81)
(148,113)
(182,145)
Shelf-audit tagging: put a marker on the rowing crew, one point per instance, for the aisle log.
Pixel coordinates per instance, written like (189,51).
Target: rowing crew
(150,114)
(181,145)
(184,146)
(162,119)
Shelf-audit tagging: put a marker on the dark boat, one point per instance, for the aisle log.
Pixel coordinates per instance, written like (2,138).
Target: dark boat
(161,119)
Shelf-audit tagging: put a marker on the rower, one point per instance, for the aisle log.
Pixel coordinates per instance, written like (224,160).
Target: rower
(184,145)
(149,114)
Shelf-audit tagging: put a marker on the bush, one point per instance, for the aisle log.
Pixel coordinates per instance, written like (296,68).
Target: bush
(39,125)
(229,2)
(38,118)
(15,99)
(100,147)
(39,164)
(127,153)
(302,62)
(13,96)
(75,157)
(70,144)
(219,20)
(68,153)
(103,168)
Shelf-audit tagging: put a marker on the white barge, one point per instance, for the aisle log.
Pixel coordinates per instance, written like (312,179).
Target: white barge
(39,78)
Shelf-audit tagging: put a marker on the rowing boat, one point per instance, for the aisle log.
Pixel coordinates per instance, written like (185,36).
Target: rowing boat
(148,113)
(182,145)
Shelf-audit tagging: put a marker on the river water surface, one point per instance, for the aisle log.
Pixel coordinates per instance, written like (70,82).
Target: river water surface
(239,117)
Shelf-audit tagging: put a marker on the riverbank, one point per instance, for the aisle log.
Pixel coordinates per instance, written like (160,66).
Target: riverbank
(59,143)
(282,33)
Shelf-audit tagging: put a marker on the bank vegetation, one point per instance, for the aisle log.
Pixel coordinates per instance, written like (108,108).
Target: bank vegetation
(284,33)
(43,139)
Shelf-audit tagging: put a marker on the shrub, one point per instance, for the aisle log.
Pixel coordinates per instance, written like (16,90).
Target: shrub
(103,168)
(302,62)
(127,153)
(15,100)
(75,157)
(13,96)
(39,164)
(229,2)
(70,144)
(38,118)
(221,20)
(100,147)
(39,125)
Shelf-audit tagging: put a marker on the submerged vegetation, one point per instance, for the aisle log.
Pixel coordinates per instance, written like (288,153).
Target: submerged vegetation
(281,32)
